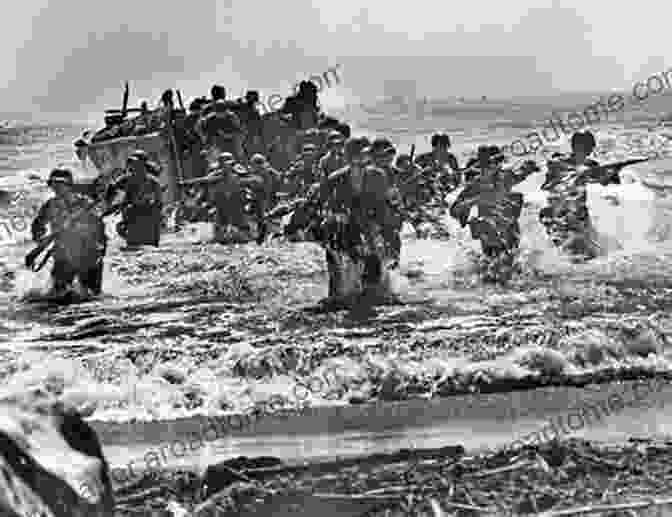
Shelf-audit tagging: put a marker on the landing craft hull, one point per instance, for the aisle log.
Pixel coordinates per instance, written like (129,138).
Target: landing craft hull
(109,157)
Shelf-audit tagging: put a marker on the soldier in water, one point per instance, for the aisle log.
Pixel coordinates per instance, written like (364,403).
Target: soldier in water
(473,168)
(221,129)
(497,208)
(262,182)
(78,234)
(225,193)
(566,216)
(334,159)
(142,205)
(303,171)
(383,153)
(352,214)
(417,192)
(441,163)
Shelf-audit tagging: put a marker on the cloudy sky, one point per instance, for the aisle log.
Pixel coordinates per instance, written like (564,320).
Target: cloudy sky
(72,56)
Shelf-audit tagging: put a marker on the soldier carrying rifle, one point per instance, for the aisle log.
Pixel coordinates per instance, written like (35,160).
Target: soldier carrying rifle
(142,205)
(76,239)
(497,208)
(566,217)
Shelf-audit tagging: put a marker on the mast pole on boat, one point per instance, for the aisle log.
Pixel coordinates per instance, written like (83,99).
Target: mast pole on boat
(124,104)
(175,152)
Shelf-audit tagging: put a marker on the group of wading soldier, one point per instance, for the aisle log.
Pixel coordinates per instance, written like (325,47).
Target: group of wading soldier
(347,193)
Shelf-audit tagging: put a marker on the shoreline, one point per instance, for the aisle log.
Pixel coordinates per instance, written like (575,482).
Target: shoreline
(605,377)
(496,422)
(525,480)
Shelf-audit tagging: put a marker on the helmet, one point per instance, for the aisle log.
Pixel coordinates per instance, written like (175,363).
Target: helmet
(258,159)
(585,139)
(218,92)
(61,176)
(344,129)
(241,170)
(196,105)
(381,146)
(225,157)
(440,139)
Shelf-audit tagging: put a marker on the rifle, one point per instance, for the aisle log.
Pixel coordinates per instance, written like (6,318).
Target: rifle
(607,170)
(203,180)
(46,243)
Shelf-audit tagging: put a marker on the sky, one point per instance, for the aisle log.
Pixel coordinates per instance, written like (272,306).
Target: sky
(72,56)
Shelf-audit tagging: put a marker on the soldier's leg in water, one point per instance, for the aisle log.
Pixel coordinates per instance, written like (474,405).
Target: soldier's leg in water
(373,270)
(157,216)
(62,275)
(395,241)
(333,273)
(93,278)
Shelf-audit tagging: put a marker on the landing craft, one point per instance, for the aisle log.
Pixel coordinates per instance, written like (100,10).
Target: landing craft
(109,148)
(158,133)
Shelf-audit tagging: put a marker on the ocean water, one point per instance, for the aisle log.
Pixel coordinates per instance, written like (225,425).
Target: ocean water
(634,221)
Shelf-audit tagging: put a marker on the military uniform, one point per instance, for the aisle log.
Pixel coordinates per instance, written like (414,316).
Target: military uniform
(444,172)
(352,214)
(301,175)
(416,191)
(496,223)
(227,194)
(331,162)
(370,203)
(221,128)
(566,217)
(142,206)
(261,183)
(79,239)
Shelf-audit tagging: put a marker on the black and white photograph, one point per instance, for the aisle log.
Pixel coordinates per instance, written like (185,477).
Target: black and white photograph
(320,259)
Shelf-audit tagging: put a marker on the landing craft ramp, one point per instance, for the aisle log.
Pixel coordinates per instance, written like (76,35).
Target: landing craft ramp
(110,156)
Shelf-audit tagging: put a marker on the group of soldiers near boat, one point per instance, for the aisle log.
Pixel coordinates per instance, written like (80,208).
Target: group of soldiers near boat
(348,193)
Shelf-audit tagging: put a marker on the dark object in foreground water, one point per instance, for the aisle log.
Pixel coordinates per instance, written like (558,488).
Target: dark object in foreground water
(51,460)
